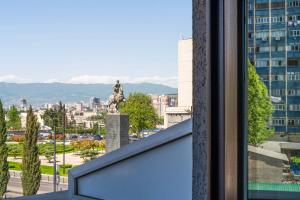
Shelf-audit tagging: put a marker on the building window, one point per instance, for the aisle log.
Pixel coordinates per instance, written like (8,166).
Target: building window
(262,63)
(276,19)
(278,63)
(294,122)
(278,4)
(279,107)
(278,34)
(294,33)
(293,62)
(293,92)
(278,77)
(294,3)
(262,5)
(294,107)
(250,35)
(261,20)
(250,49)
(294,47)
(293,76)
(250,20)
(262,35)
(278,121)
(278,92)
(277,48)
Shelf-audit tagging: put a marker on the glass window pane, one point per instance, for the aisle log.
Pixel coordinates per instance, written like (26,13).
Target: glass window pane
(274,98)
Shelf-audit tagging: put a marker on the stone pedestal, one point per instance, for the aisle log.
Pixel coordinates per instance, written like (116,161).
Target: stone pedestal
(117,126)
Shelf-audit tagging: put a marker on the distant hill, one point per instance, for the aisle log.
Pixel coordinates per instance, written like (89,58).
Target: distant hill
(40,93)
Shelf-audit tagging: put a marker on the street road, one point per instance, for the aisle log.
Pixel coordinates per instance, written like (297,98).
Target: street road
(15,187)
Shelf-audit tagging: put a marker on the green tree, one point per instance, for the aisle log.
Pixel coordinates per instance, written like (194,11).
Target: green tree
(49,154)
(4,174)
(50,117)
(31,173)
(96,128)
(14,119)
(141,112)
(260,109)
(88,154)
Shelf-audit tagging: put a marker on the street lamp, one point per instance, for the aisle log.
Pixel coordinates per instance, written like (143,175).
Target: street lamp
(54,161)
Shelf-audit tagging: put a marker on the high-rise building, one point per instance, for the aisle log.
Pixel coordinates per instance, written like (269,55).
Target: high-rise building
(95,103)
(23,105)
(174,115)
(274,49)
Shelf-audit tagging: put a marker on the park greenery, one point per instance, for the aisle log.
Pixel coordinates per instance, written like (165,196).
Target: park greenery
(88,154)
(49,154)
(260,109)
(14,119)
(141,112)
(44,169)
(31,172)
(4,174)
(16,150)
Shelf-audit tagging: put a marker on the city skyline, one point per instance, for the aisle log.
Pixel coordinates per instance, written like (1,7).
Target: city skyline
(95,42)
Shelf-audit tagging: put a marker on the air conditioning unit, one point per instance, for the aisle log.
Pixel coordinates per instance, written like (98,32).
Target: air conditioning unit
(277,38)
(264,38)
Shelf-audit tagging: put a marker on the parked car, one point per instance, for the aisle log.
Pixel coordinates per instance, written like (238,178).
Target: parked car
(97,137)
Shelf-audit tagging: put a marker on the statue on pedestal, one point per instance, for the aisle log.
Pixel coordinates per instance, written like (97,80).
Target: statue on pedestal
(116,98)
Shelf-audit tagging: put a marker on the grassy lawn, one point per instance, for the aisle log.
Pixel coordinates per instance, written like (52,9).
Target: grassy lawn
(44,169)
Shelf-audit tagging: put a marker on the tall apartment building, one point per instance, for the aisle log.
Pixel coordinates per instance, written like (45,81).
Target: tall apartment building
(175,115)
(274,49)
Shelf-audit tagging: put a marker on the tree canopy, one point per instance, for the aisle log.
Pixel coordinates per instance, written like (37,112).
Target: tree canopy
(141,112)
(55,117)
(31,172)
(14,119)
(4,174)
(260,109)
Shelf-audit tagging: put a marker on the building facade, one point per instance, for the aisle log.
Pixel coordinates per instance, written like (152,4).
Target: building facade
(162,102)
(274,49)
(175,115)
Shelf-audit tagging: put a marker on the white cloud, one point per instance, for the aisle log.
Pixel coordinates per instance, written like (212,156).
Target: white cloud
(13,79)
(87,79)
(90,79)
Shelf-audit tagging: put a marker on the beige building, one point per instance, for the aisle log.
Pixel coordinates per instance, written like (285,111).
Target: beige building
(174,115)
(162,102)
(185,72)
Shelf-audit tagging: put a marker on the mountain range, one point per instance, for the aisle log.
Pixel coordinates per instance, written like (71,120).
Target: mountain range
(38,94)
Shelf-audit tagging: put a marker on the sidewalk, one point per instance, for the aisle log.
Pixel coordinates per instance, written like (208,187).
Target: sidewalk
(45,178)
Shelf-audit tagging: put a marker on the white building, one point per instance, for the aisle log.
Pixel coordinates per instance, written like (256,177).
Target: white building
(174,115)
(39,114)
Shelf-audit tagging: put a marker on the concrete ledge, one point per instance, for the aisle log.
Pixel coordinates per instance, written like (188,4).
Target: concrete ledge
(50,196)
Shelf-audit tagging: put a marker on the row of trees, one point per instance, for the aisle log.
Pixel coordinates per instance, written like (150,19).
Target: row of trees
(31,173)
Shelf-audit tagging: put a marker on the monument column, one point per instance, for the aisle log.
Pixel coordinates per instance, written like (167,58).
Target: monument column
(117,125)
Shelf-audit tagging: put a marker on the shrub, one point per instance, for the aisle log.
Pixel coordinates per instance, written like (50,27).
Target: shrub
(17,138)
(66,166)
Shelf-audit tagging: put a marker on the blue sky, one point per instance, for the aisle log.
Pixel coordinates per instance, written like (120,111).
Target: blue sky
(89,41)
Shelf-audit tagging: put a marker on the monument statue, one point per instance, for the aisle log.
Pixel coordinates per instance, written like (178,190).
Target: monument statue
(116,98)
